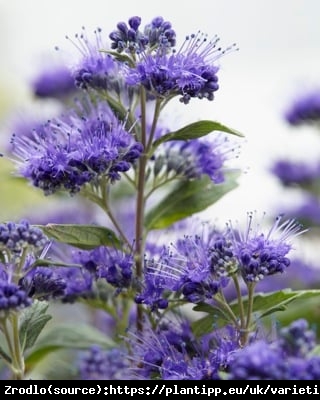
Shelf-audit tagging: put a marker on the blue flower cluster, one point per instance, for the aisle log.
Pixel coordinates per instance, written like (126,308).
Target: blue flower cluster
(287,358)
(199,267)
(76,149)
(15,237)
(305,109)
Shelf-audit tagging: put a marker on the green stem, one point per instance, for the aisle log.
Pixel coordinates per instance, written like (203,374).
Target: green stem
(19,368)
(8,339)
(154,123)
(245,333)
(240,301)
(222,302)
(251,287)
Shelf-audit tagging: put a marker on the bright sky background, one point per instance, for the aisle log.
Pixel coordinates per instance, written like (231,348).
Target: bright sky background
(279,57)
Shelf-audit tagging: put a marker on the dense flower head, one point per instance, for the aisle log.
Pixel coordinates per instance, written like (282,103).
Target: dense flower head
(79,283)
(285,358)
(101,364)
(305,109)
(301,275)
(109,263)
(292,173)
(189,71)
(44,283)
(76,149)
(151,60)
(12,297)
(154,287)
(56,82)
(195,267)
(171,351)
(262,254)
(97,69)
(297,339)
(160,33)
(15,237)
(194,158)
(128,38)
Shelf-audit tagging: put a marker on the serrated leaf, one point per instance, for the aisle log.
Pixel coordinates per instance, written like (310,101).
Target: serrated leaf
(67,336)
(188,198)
(195,130)
(85,237)
(32,321)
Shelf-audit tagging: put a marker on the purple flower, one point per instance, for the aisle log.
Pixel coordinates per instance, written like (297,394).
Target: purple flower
(300,275)
(44,283)
(297,339)
(15,237)
(64,283)
(171,351)
(102,364)
(258,361)
(12,297)
(111,264)
(190,71)
(79,283)
(56,82)
(286,358)
(98,70)
(76,149)
(296,173)
(262,254)
(160,33)
(195,267)
(305,109)
(195,158)
(128,38)
(154,287)
(307,210)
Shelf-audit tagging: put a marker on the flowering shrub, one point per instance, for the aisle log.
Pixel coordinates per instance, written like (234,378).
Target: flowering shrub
(171,296)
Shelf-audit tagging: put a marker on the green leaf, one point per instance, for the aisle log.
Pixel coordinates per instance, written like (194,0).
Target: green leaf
(194,131)
(315,351)
(268,303)
(5,356)
(264,305)
(188,198)
(85,237)
(307,308)
(67,336)
(33,320)
(40,262)
(209,323)
(120,57)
